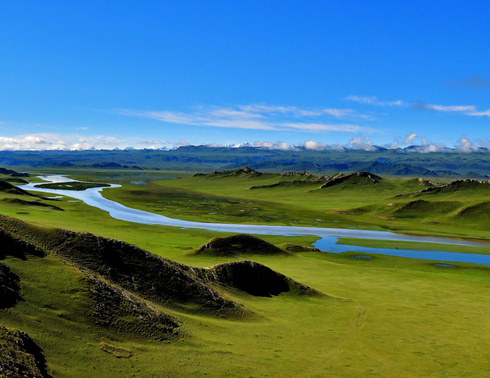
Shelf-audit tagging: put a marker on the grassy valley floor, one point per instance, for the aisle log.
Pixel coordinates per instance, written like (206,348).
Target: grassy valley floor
(383,316)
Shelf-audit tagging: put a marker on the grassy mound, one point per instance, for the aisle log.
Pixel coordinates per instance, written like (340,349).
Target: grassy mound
(19,355)
(9,287)
(354,179)
(460,185)
(420,208)
(239,245)
(256,279)
(245,171)
(478,213)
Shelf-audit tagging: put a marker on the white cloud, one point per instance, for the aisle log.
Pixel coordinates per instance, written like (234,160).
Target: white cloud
(409,139)
(480,114)
(372,100)
(257,117)
(39,142)
(451,108)
(465,145)
(312,145)
(264,144)
(261,109)
(359,143)
(280,145)
(283,146)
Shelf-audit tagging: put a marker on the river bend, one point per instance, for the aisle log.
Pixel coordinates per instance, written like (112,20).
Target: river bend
(328,237)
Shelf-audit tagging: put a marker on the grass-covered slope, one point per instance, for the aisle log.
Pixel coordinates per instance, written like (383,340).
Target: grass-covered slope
(155,278)
(117,309)
(240,244)
(125,290)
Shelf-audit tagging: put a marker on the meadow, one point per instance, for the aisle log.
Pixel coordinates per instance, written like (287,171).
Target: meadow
(383,316)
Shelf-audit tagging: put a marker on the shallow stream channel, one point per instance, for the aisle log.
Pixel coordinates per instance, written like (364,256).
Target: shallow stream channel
(328,237)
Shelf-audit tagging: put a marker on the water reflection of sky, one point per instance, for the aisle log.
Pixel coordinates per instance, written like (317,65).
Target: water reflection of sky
(328,241)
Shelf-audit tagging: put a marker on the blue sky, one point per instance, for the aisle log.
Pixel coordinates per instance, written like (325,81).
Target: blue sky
(320,74)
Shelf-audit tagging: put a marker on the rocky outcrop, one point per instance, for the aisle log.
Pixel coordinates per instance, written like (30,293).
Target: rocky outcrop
(20,356)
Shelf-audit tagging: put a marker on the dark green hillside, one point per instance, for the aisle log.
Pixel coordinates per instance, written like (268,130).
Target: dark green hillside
(422,208)
(132,268)
(139,271)
(353,179)
(12,173)
(460,185)
(12,189)
(14,246)
(112,289)
(241,244)
(9,287)
(129,267)
(476,213)
(9,175)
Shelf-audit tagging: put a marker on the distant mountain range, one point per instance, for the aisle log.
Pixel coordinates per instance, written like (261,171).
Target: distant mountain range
(406,162)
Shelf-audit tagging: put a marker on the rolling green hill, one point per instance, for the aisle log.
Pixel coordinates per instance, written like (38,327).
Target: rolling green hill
(123,289)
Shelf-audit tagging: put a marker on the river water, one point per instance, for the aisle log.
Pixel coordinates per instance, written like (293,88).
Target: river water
(328,237)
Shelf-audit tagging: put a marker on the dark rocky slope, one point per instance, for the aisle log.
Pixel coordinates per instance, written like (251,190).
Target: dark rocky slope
(20,356)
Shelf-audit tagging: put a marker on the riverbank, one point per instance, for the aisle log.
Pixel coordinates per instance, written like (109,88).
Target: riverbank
(328,237)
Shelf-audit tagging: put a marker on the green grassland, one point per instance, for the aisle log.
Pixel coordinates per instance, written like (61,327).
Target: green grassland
(383,316)
(256,198)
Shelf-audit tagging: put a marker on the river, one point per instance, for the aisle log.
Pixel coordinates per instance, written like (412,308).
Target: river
(328,237)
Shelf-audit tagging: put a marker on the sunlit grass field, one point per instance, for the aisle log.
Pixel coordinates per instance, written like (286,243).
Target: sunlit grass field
(383,316)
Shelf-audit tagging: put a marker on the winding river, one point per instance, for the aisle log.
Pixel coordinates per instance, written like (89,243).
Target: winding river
(328,237)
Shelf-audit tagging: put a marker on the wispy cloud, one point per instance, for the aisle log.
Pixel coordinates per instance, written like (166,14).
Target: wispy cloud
(475,82)
(444,108)
(470,110)
(258,117)
(346,128)
(373,100)
(486,113)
